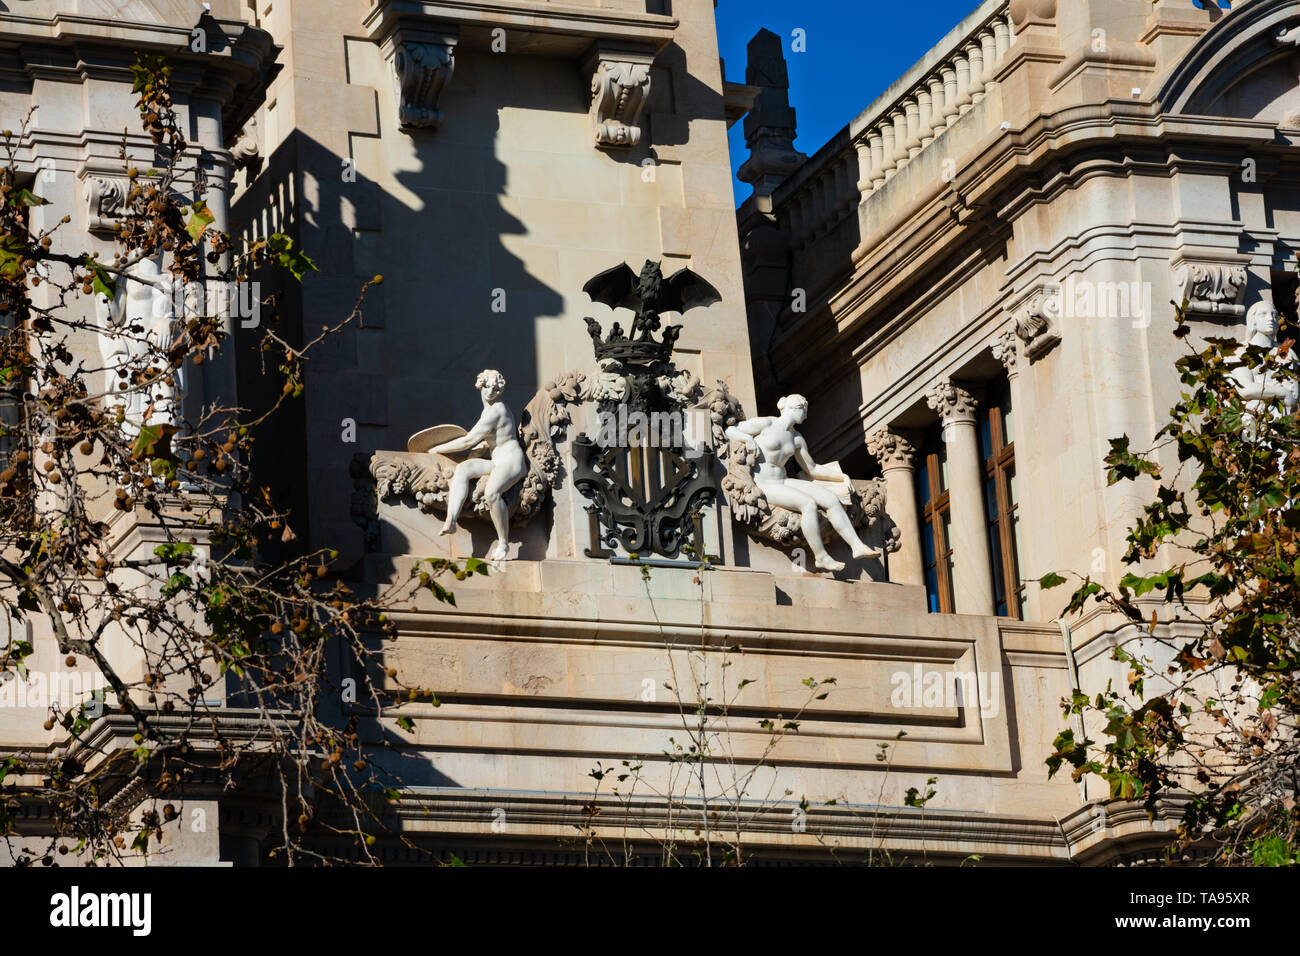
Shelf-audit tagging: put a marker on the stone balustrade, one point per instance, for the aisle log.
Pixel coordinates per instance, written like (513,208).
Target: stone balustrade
(925,103)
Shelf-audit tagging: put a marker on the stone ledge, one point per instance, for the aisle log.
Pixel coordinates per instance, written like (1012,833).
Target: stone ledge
(546,29)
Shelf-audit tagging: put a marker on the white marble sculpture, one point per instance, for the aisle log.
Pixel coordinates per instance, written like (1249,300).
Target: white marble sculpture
(1254,385)
(147,298)
(506,465)
(825,489)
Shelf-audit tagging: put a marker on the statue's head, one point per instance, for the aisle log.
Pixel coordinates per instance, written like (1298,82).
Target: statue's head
(491,384)
(1262,319)
(795,405)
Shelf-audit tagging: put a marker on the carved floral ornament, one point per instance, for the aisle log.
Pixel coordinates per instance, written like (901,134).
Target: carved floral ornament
(1006,349)
(951,402)
(1036,321)
(105,201)
(892,449)
(1212,288)
(423,69)
(620,87)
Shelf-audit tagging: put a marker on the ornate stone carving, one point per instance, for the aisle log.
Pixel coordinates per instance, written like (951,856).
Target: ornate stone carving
(1288,36)
(246,150)
(428,484)
(893,449)
(1006,349)
(789,511)
(424,66)
(647,488)
(1036,322)
(1212,288)
(105,202)
(620,85)
(951,402)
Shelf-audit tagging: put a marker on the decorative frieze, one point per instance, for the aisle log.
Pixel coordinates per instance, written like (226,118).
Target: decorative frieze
(893,449)
(1212,288)
(620,86)
(951,402)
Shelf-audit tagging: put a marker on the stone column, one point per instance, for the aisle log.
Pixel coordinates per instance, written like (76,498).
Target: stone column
(972,584)
(896,451)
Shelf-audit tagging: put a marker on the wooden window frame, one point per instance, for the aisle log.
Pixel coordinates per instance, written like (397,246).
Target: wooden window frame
(933,513)
(996,468)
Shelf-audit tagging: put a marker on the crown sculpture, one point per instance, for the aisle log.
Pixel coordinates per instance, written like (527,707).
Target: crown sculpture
(636,369)
(646,496)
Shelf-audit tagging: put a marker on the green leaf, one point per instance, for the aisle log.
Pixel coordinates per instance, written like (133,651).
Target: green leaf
(295,260)
(1050,580)
(26,198)
(103,283)
(200,220)
(13,250)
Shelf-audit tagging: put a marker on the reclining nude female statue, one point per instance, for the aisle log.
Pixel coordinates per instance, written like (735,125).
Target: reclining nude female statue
(506,464)
(777,441)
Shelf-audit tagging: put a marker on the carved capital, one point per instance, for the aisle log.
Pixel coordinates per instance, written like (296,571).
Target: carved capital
(423,62)
(952,403)
(1212,288)
(620,86)
(1006,349)
(893,448)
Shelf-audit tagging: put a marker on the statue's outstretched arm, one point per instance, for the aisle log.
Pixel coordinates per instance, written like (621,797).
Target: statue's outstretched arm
(482,429)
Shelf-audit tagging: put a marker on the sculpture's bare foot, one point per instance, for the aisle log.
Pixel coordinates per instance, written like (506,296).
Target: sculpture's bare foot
(449,527)
(500,552)
(827,563)
(864,552)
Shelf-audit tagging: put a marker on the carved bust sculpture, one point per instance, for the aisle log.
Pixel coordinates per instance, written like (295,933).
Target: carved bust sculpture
(823,490)
(505,466)
(1254,385)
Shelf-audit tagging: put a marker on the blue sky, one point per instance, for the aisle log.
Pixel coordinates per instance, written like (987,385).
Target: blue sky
(855,48)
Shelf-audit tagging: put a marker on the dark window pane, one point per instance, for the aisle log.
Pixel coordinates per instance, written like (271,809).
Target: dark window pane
(923,484)
(927,545)
(991,500)
(999,582)
(932,588)
(986,438)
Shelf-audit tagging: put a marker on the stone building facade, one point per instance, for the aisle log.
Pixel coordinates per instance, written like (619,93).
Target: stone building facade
(489,159)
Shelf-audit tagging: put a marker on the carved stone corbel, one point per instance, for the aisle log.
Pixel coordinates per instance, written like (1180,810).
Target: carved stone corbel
(423,62)
(1035,321)
(620,86)
(105,202)
(1215,289)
